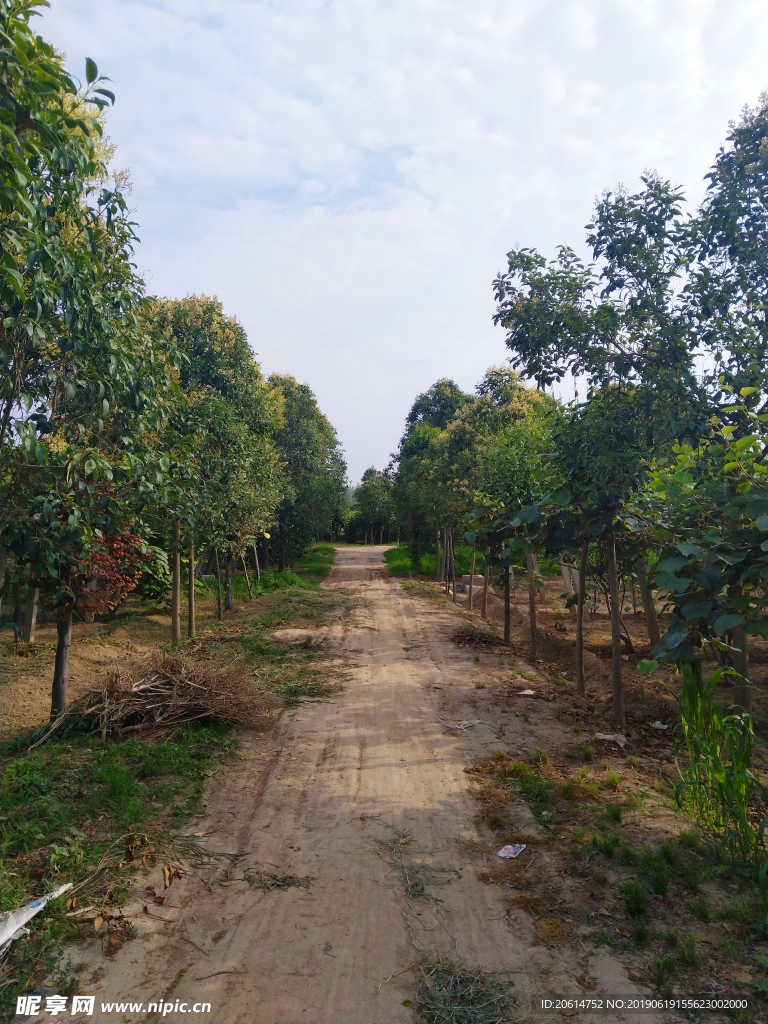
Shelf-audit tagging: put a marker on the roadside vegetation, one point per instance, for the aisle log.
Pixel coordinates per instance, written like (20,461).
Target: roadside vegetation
(99,812)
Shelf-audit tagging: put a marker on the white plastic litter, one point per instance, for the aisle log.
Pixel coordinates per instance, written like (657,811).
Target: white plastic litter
(12,924)
(658,725)
(512,851)
(467,723)
(611,737)
(526,693)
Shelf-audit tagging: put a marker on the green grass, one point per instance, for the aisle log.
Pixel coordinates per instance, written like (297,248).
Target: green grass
(399,562)
(65,805)
(314,566)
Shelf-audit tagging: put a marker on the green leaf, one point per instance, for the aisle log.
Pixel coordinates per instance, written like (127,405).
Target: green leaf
(762,523)
(758,628)
(726,622)
(91,71)
(647,665)
(561,496)
(748,391)
(689,549)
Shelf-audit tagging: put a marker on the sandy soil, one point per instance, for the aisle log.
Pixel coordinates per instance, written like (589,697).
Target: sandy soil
(357,795)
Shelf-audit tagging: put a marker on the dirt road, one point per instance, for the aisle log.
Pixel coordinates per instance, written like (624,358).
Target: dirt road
(366,798)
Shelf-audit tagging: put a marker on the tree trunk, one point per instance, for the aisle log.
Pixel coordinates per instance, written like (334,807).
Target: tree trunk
(486,575)
(210,562)
(30,614)
(264,554)
(219,605)
(247,578)
(531,608)
(191,592)
(471,578)
(453,568)
(228,588)
(506,605)
(282,565)
(741,664)
(616,675)
(61,665)
(651,619)
(565,572)
(581,580)
(176,587)
(438,565)
(256,565)
(444,571)
(18,612)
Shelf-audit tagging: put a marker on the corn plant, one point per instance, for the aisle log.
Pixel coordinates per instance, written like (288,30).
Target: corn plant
(718,784)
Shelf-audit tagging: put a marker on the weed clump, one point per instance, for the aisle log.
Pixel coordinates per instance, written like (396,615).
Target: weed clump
(635,896)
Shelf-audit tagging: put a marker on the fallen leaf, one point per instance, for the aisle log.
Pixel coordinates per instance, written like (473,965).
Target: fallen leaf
(98,922)
(167,877)
(159,899)
(145,909)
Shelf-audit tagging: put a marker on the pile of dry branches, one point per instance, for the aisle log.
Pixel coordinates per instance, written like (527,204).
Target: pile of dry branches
(168,690)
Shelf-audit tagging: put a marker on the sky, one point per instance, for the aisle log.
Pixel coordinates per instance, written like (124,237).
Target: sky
(348,176)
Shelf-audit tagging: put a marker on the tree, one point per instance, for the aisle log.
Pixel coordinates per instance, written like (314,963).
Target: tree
(224,429)
(313,470)
(81,387)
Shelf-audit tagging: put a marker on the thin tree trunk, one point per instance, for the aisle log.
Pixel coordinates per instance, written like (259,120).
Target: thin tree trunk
(256,563)
(581,689)
(228,588)
(507,616)
(438,565)
(486,578)
(616,674)
(453,568)
(18,612)
(30,614)
(61,665)
(219,605)
(471,578)
(282,564)
(247,577)
(444,567)
(176,588)
(741,664)
(264,554)
(565,572)
(531,608)
(447,562)
(191,592)
(651,619)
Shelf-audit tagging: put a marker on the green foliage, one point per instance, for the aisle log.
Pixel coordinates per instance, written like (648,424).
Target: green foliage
(400,563)
(313,472)
(718,784)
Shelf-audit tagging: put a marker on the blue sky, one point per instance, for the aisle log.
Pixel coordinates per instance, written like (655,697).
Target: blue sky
(347,176)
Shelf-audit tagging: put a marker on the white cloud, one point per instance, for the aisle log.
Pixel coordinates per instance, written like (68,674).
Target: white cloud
(348,176)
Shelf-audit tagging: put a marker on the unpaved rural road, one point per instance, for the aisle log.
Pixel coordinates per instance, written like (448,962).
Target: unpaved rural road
(362,794)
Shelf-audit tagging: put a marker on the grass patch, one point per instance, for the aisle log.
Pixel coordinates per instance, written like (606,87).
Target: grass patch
(67,804)
(400,563)
(635,897)
(315,564)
